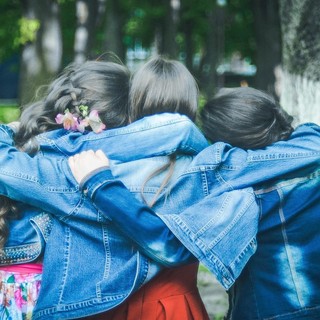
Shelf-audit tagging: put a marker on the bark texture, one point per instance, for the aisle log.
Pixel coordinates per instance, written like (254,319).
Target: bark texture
(300,84)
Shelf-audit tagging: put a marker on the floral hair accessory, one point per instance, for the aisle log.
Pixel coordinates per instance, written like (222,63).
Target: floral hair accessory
(72,122)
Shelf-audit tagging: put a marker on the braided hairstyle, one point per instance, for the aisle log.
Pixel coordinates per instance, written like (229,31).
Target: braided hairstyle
(100,85)
(246,118)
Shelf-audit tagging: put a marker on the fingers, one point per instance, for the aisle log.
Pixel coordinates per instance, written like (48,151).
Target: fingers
(100,154)
(82,164)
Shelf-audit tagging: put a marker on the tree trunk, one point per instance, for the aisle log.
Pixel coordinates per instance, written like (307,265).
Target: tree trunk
(41,58)
(300,87)
(189,46)
(214,50)
(171,21)
(87,15)
(268,38)
(114,29)
(166,30)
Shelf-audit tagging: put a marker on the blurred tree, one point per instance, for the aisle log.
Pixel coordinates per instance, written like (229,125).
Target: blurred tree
(88,15)
(203,34)
(213,48)
(268,43)
(114,28)
(154,24)
(42,45)
(239,29)
(300,86)
(170,28)
(10,13)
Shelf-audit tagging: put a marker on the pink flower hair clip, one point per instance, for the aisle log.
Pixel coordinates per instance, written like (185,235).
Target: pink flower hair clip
(74,123)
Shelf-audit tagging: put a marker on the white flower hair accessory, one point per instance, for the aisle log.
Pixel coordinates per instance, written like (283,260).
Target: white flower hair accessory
(74,123)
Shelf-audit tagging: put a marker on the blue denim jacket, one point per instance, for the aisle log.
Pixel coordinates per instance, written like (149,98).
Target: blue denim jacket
(29,230)
(215,247)
(280,281)
(72,285)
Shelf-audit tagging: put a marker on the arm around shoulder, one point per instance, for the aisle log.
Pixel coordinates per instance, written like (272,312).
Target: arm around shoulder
(136,220)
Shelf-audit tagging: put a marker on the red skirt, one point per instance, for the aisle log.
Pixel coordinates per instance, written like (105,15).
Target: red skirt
(172,295)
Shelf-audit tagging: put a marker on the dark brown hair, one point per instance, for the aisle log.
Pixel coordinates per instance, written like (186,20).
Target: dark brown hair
(245,117)
(100,85)
(163,85)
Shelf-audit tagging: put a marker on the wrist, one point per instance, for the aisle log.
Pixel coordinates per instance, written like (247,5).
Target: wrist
(94,180)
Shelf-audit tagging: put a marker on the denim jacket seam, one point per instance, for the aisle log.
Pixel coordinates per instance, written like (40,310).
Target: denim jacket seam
(66,242)
(126,131)
(207,253)
(33,179)
(234,221)
(107,266)
(285,155)
(260,191)
(44,222)
(287,248)
(74,306)
(302,309)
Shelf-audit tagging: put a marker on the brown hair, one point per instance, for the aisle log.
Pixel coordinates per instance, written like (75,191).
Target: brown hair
(100,85)
(162,85)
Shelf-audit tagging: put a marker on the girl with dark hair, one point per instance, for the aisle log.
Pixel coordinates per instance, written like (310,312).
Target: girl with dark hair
(251,216)
(162,85)
(82,100)
(90,96)
(246,118)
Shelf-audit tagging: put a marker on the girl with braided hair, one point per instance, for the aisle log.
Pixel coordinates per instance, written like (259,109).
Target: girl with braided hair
(96,86)
(89,266)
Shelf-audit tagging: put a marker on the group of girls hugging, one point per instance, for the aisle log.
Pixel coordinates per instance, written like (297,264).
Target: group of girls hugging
(111,195)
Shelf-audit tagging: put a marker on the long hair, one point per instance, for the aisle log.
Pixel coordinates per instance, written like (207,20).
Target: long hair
(162,85)
(245,117)
(100,85)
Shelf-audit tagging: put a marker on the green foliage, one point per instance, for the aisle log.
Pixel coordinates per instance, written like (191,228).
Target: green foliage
(10,12)
(9,113)
(203,268)
(239,29)
(68,23)
(28,30)
(143,18)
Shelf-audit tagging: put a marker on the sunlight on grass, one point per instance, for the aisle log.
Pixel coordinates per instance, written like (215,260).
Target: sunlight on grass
(9,113)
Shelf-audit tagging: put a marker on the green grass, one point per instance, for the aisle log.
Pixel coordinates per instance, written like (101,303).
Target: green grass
(9,113)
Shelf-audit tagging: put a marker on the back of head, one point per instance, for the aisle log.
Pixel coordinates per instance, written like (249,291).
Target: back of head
(162,85)
(101,86)
(245,117)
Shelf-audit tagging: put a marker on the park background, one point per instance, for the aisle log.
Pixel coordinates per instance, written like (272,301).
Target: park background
(272,45)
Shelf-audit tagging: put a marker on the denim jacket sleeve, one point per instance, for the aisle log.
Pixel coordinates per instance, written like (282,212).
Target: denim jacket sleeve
(295,157)
(225,237)
(135,219)
(43,175)
(6,134)
(33,179)
(156,135)
(225,255)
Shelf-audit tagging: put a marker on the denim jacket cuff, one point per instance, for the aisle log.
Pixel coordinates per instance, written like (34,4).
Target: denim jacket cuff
(95,180)
(6,134)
